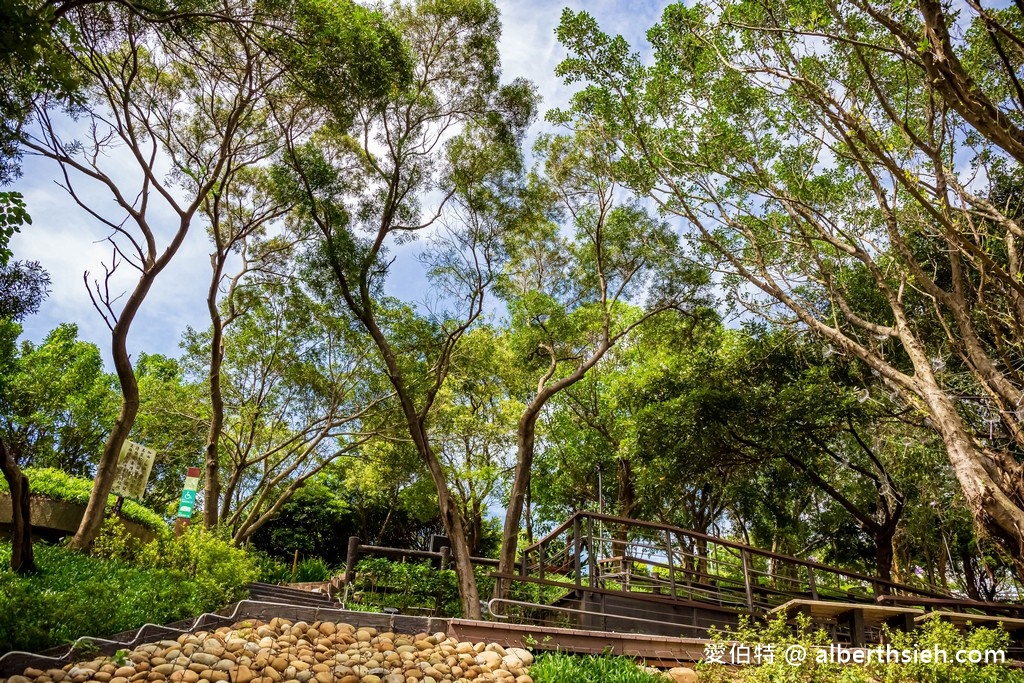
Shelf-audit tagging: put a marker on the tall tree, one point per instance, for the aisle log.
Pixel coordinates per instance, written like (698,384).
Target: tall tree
(843,166)
(448,134)
(190,100)
(569,284)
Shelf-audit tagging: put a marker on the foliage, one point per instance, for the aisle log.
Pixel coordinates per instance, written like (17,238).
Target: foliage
(57,405)
(23,286)
(206,557)
(935,634)
(269,569)
(74,595)
(558,667)
(313,569)
(406,585)
(58,485)
(115,543)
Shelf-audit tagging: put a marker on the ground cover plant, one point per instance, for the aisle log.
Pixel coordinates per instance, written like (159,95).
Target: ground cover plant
(559,667)
(74,595)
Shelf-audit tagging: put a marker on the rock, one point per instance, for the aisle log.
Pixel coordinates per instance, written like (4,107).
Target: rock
(682,674)
(205,658)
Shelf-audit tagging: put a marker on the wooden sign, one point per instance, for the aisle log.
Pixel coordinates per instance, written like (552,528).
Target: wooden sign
(133,470)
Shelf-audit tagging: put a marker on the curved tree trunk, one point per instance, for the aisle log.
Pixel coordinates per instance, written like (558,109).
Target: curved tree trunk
(211,486)
(22,556)
(92,520)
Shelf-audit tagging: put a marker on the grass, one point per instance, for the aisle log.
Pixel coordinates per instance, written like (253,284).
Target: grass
(558,667)
(76,595)
(58,485)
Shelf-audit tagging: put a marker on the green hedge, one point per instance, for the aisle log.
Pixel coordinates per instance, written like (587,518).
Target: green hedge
(58,485)
(74,595)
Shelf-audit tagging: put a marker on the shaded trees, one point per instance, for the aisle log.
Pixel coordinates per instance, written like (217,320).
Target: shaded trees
(818,151)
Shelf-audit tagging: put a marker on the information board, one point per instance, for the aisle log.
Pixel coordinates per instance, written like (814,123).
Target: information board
(133,470)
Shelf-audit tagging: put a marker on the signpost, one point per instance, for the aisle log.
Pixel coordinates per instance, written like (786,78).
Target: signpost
(188,500)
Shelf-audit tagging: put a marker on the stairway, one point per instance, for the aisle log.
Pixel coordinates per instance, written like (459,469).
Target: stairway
(267,592)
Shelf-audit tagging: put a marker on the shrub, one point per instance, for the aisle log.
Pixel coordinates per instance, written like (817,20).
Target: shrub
(115,543)
(406,585)
(558,667)
(208,557)
(58,485)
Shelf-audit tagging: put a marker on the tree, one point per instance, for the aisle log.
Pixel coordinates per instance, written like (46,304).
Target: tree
(30,287)
(815,151)
(300,391)
(239,214)
(447,127)
(569,294)
(191,100)
(56,404)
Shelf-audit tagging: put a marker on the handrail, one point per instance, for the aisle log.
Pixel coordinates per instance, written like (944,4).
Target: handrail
(583,514)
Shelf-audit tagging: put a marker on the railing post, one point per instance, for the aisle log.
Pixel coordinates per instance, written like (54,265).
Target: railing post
(543,559)
(811,584)
(746,580)
(591,558)
(671,564)
(351,557)
(577,550)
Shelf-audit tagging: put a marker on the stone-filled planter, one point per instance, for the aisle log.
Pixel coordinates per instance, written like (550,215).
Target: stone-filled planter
(56,518)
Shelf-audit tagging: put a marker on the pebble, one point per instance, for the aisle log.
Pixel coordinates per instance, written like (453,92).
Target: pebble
(282,651)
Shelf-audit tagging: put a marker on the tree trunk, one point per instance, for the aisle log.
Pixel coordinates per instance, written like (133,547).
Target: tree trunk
(22,557)
(95,510)
(211,488)
(526,438)
(996,512)
(884,553)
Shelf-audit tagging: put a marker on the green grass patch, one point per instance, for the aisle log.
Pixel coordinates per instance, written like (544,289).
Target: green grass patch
(558,667)
(75,595)
(58,485)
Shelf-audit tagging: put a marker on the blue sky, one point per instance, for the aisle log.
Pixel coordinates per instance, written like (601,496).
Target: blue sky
(68,242)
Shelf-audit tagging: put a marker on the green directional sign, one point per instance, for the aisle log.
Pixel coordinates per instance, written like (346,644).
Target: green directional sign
(188,502)
(188,495)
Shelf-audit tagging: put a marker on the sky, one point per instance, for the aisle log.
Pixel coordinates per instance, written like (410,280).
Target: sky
(69,242)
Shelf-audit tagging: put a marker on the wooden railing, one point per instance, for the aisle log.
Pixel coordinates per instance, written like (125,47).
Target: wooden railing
(606,553)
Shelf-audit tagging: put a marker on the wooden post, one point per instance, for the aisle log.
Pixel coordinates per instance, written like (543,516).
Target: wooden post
(591,558)
(671,564)
(438,596)
(351,558)
(746,581)
(811,583)
(295,563)
(542,552)
(577,542)
(179,526)
(118,504)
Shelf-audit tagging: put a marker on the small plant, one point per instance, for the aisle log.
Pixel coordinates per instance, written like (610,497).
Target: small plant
(313,569)
(120,657)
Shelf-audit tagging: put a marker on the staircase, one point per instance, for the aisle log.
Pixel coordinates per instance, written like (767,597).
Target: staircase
(267,592)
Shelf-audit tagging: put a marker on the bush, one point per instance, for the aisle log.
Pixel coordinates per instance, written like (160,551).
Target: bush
(55,484)
(74,595)
(405,586)
(558,667)
(208,557)
(115,543)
